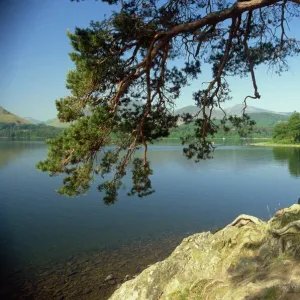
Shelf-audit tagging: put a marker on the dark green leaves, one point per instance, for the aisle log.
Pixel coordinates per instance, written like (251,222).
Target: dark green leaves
(288,132)
(123,88)
(140,176)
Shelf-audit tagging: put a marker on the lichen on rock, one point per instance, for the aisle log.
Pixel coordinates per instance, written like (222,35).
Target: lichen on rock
(248,259)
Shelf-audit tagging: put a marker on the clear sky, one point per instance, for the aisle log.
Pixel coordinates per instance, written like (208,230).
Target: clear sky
(34,60)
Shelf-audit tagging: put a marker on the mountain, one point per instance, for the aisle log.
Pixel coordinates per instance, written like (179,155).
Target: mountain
(287,113)
(268,119)
(191,109)
(217,113)
(33,121)
(8,117)
(262,117)
(57,123)
(237,110)
(234,110)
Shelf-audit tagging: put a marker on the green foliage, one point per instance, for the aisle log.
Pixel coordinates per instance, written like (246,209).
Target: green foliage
(268,119)
(129,72)
(287,132)
(280,131)
(140,177)
(294,127)
(28,131)
(185,130)
(243,124)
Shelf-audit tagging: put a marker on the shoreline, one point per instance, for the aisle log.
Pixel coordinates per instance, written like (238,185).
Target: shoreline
(85,275)
(266,144)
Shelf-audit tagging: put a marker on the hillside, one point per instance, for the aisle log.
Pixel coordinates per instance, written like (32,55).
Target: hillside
(265,122)
(8,117)
(268,118)
(236,110)
(57,123)
(262,117)
(32,120)
(18,131)
(217,113)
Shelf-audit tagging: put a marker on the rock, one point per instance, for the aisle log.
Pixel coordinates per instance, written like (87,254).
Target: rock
(127,277)
(248,259)
(112,282)
(72,273)
(109,277)
(87,291)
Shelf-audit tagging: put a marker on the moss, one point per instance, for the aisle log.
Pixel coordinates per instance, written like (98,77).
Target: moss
(271,293)
(282,257)
(253,246)
(285,218)
(180,295)
(246,267)
(196,254)
(288,218)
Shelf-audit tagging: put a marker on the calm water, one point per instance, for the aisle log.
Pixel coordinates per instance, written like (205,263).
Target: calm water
(38,225)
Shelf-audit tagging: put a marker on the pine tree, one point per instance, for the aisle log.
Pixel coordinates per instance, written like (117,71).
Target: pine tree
(126,82)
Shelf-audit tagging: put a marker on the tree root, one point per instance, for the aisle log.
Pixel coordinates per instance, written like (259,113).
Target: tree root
(243,220)
(285,229)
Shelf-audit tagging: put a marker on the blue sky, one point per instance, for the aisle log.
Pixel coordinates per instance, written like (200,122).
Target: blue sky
(34,60)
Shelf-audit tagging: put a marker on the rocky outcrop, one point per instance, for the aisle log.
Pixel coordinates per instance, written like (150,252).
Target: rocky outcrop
(248,259)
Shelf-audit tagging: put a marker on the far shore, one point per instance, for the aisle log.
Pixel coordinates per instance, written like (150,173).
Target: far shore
(272,144)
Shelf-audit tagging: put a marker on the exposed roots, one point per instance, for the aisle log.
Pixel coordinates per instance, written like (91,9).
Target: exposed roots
(243,220)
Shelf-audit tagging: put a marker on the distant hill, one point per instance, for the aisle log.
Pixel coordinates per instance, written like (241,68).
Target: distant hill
(237,110)
(191,109)
(287,113)
(268,119)
(32,120)
(57,123)
(8,117)
(217,113)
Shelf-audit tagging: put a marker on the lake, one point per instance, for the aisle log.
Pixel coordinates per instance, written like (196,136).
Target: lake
(45,236)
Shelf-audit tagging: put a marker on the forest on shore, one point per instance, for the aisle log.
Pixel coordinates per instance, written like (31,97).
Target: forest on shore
(283,131)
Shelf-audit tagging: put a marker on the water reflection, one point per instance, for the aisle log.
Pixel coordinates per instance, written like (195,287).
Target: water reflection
(289,155)
(38,225)
(10,150)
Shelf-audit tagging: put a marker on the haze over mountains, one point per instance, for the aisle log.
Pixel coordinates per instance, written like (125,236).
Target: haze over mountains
(264,116)
(57,123)
(234,110)
(32,120)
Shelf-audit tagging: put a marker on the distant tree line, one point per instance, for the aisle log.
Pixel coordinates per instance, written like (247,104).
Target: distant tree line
(28,131)
(288,132)
(42,131)
(256,132)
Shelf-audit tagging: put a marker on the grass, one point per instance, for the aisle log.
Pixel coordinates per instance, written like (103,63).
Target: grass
(274,144)
(7,117)
(57,123)
(10,118)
